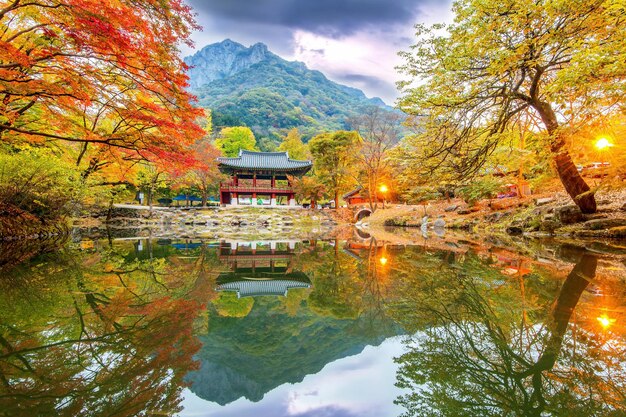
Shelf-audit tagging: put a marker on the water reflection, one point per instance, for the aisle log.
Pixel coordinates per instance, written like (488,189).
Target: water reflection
(494,352)
(230,327)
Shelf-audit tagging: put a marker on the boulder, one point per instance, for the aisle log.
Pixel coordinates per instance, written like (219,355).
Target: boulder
(569,214)
(617,232)
(515,230)
(451,208)
(543,201)
(439,223)
(600,224)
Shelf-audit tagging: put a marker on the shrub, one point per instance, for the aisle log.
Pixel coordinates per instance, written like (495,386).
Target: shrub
(38,182)
(484,187)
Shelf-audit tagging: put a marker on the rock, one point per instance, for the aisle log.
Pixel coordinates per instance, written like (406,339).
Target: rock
(451,208)
(439,223)
(515,230)
(624,207)
(569,214)
(600,224)
(543,201)
(617,232)
(424,220)
(549,226)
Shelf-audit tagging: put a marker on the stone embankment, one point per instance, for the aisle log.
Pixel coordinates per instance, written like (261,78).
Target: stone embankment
(219,222)
(553,216)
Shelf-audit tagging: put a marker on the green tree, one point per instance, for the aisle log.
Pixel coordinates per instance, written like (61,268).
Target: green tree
(292,143)
(380,131)
(234,139)
(334,155)
(558,62)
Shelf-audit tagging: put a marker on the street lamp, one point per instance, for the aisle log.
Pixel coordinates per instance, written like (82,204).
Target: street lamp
(383,189)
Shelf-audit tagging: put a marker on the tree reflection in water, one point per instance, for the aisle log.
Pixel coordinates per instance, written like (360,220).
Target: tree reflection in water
(96,333)
(487,353)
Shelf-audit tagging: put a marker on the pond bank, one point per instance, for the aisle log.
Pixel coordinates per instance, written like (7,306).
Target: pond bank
(213,222)
(16,224)
(540,216)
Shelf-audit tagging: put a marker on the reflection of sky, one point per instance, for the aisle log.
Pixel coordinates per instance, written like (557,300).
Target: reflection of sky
(360,385)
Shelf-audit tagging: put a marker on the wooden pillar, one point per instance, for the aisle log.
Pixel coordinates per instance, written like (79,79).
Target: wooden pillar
(254,179)
(273,181)
(235,180)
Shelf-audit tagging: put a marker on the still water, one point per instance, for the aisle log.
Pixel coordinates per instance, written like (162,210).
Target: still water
(359,326)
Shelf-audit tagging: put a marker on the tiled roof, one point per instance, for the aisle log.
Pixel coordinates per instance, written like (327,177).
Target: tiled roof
(353,192)
(256,288)
(274,161)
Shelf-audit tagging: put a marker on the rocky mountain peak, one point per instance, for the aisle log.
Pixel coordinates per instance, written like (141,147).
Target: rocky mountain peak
(221,60)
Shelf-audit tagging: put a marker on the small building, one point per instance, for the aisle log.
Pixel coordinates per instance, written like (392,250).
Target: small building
(260,178)
(358,197)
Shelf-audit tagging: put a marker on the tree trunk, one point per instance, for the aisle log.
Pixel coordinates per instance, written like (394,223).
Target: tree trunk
(336,199)
(573,183)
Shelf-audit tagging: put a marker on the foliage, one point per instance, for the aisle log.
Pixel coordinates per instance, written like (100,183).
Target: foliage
(309,188)
(292,143)
(483,187)
(35,181)
(379,131)
(503,61)
(233,139)
(334,155)
(228,304)
(81,339)
(97,75)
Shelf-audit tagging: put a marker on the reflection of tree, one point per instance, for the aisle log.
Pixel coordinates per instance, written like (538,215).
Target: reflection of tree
(96,334)
(480,356)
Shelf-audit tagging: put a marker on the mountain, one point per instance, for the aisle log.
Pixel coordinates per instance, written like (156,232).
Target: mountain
(248,357)
(254,87)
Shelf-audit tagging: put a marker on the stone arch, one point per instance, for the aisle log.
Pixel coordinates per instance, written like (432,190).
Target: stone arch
(361,214)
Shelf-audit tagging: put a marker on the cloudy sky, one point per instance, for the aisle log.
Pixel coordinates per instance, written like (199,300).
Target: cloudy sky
(354,42)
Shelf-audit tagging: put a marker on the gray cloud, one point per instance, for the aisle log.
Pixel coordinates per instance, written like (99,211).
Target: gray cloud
(334,18)
(382,88)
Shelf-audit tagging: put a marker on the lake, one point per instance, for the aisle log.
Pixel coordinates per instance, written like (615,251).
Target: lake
(357,325)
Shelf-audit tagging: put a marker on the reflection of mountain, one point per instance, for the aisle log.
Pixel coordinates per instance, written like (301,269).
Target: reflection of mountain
(248,357)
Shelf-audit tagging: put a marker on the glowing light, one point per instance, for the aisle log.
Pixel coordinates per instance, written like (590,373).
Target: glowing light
(603,143)
(383,188)
(383,261)
(605,321)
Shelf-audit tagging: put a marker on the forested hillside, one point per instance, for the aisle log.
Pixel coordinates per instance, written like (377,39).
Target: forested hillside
(254,87)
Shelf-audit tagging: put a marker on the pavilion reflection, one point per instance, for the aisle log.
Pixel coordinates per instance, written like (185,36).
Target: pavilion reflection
(260,268)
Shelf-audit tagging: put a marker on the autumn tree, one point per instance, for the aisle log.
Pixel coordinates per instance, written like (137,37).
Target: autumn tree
(233,139)
(292,144)
(558,62)
(334,159)
(203,174)
(96,74)
(309,188)
(380,130)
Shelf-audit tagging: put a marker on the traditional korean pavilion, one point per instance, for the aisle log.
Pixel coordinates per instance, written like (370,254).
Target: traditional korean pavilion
(260,178)
(259,268)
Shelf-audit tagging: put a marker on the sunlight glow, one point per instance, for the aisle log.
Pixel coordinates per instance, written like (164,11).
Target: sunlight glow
(605,321)
(603,143)
(383,261)
(383,188)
